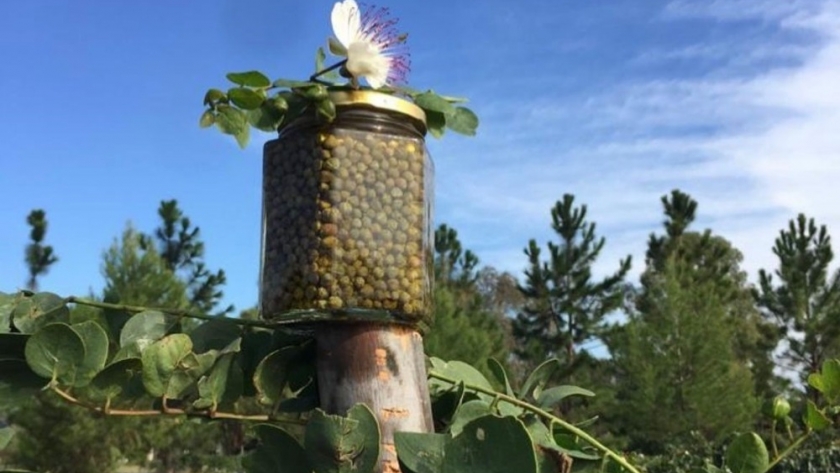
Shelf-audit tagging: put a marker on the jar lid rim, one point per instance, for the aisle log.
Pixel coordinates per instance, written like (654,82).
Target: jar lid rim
(378,100)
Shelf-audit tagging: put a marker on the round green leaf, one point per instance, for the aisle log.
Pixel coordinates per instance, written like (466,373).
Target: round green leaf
(207,119)
(815,419)
(215,335)
(463,121)
(421,453)
(246,99)
(326,109)
(161,360)
(38,310)
(249,79)
(213,95)
(56,352)
(145,328)
(96,350)
(278,452)
(266,118)
(434,102)
(491,444)
(435,123)
(747,454)
(460,371)
(211,388)
(468,412)
(122,379)
(343,444)
(272,374)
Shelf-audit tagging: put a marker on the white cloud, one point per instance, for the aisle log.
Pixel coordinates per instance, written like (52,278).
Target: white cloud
(754,148)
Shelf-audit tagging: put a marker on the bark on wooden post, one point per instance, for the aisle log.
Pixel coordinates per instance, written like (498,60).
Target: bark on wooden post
(381,366)
(347,252)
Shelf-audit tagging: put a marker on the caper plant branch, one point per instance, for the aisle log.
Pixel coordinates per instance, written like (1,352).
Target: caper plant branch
(170,411)
(546,415)
(173,312)
(789,449)
(315,77)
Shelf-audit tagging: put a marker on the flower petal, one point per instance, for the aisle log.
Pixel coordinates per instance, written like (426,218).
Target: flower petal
(346,21)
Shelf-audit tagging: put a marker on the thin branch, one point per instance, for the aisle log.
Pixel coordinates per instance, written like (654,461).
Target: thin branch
(173,312)
(547,415)
(790,448)
(171,411)
(314,77)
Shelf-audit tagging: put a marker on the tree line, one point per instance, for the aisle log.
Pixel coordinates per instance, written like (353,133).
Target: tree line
(691,352)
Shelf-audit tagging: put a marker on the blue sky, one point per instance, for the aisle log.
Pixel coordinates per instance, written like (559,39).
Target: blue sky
(618,102)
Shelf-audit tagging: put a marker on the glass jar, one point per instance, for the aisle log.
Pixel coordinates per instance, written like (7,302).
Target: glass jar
(347,216)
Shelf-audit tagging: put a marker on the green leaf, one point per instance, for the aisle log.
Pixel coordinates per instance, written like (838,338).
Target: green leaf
(145,328)
(215,335)
(466,413)
(828,381)
(278,452)
(553,396)
(213,95)
(336,48)
(38,310)
(326,108)
(271,375)
(747,454)
(170,367)
(292,83)
(208,118)
(7,306)
(336,444)
(815,419)
(434,102)
(491,444)
(6,434)
(266,118)
(122,379)
(211,388)
(96,351)
(421,453)
(458,371)
(250,79)
(246,99)
(498,371)
(570,445)
(463,121)
(233,122)
(316,92)
(435,123)
(56,352)
(538,378)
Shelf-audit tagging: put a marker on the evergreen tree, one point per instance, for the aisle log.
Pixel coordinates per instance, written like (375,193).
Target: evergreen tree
(806,299)
(463,327)
(180,246)
(677,367)
(38,257)
(564,305)
(691,341)
(708,258)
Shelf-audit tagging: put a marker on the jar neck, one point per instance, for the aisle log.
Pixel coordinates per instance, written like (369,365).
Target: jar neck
(363,118)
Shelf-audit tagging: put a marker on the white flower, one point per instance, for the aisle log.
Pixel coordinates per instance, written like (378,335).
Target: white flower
(375,50)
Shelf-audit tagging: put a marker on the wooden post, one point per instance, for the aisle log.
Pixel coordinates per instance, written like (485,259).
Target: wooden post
(382,366)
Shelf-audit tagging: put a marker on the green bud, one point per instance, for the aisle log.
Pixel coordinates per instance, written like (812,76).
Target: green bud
(778,408)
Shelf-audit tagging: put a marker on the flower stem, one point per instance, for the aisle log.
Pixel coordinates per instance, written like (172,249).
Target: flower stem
(314,77)
(174,312)
(790,448)
(550,417)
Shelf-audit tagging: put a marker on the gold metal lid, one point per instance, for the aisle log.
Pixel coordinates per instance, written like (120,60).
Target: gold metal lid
(378,100)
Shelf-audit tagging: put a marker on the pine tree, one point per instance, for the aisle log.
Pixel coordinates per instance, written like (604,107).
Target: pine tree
(39,257)
(564,306)
(180,246)
(806,300)
(463,327)
(694,343)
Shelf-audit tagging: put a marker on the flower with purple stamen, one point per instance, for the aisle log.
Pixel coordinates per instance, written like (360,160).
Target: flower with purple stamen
(375,50)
